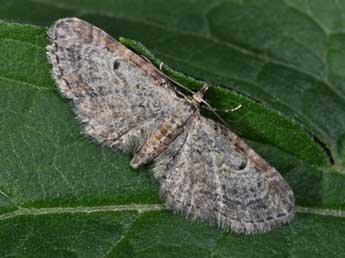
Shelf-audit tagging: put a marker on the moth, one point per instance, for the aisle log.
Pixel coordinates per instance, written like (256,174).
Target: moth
(122,101)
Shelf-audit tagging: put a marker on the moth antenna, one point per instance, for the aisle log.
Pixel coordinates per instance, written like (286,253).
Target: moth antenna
(228,110)
(159,70)
(210,108)
(199,97)
(201,92)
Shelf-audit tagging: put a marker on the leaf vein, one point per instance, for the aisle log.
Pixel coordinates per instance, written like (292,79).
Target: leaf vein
(140,208)
(16,81)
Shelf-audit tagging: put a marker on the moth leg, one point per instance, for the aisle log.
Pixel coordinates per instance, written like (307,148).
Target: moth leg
(212,109)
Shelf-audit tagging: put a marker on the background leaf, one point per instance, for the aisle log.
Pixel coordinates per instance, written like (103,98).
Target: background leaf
(62,196)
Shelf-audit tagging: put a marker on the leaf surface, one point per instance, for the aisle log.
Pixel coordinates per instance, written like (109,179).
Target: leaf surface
(63,196)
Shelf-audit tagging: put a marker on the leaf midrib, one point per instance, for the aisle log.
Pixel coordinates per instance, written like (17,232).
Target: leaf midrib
(140,208)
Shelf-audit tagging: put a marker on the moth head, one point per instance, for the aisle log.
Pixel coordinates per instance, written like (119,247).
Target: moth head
(198,96)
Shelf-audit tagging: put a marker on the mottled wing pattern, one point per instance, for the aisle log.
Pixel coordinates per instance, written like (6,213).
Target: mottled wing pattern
(210,173)
(119,97)
(122,101)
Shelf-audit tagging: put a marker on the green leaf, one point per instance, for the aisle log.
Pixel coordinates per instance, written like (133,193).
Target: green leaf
(64,196)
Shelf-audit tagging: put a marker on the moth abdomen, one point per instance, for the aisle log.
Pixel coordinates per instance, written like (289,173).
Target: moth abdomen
(158,141)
